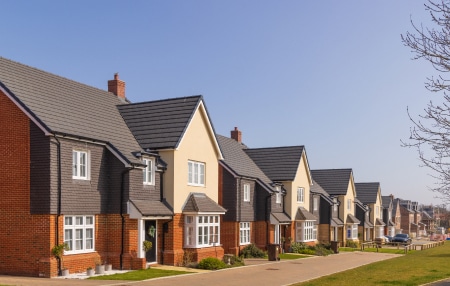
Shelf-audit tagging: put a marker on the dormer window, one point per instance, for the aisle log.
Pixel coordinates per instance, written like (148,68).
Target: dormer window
(80,165)
(246,192)
(278,195)
(149,171)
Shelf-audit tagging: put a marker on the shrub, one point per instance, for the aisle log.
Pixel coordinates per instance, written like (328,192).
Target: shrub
(352,244)
(319,249)
(252,251)
(323,250)
(233,260)
(211,263)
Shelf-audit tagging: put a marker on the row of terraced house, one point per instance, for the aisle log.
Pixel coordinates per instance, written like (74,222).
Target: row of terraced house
(87,167)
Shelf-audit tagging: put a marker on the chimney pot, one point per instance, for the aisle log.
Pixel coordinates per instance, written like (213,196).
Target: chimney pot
(117,86)
(236,134)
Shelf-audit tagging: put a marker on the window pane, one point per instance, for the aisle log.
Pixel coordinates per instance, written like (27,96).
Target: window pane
(68,220)
(79,220)
(195,173)
(74,163)
(190,174)
(68,238)
(89,220)
(89,238)
(82,164)
(202,174)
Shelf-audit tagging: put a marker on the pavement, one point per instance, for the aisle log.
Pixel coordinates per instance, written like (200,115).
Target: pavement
(256,272)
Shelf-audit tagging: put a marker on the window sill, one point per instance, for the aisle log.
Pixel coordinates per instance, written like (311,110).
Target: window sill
(78,252)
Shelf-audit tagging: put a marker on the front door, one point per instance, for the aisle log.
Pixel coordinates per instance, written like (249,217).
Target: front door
(150,235)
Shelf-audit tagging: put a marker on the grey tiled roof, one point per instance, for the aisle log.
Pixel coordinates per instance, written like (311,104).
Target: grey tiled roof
(352,219)
(278,163)
(160,124)
(367,192)
(336,222)
(333,181)
(200,202)
(68,107)
(386,201)
(152,208)
(303,214)
(235,158)
(281,217)
(316,188)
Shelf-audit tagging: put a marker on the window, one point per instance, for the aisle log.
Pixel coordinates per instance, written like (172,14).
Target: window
(278,195)
(300,195)
(335,205)
(306,231)
(79,233)
(202,230)
(196,173)
(149,172)
(349,204)
(315,203)
(244,228)
(352,231)
(80,165)
(377,211)
(246,192)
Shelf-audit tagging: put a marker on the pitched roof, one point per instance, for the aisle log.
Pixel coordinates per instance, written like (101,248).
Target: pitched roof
(281,217)
(386,201)
(60,105)
(152,208)
(278,163)
(316,188)
(367,192)
(303,214)
(352,219)
(200,202)
(236,159)
(161,124)
(333,181)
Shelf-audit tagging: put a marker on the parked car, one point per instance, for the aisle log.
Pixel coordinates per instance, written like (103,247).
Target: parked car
(402,237)
(388,238)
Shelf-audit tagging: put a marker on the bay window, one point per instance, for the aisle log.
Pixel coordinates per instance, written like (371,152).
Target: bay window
(306,231)
(202,230)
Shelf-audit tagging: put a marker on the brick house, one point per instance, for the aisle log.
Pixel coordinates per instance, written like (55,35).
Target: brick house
(255,204)
(388,207)
(407,218)
(365,228)
(289,167)
(326,209)
(78,173)
(180,132)
(370,195)
(339,183)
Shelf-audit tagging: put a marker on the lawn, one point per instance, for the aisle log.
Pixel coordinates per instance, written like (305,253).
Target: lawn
(140,274)
(380,250)
(415,268)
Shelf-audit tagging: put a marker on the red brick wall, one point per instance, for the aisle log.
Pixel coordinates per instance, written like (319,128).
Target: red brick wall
(24,237)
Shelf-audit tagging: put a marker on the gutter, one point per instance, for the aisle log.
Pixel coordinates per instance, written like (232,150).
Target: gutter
(59,200)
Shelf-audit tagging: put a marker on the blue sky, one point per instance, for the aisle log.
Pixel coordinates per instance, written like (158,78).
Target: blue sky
(331,75)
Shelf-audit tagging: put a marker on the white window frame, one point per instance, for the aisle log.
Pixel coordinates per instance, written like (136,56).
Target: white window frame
(244,233)
(78,165)
(306,231)
(349,204)
(246,192)
(149,171)
(353,234)
(300,195)
(76,228)
(196,173)
(315,203)
(278,195)
(202,230)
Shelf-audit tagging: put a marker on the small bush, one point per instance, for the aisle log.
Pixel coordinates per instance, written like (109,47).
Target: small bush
(211,263)
(233,260)
(252,251)
(322,250)
(352,244)
(319,249)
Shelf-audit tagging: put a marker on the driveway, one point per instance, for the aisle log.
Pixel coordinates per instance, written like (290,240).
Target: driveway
(283,272)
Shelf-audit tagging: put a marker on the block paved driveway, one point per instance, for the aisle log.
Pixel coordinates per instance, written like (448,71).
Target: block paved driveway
(283,272)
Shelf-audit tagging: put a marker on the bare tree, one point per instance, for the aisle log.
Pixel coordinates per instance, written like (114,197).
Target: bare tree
(430,134)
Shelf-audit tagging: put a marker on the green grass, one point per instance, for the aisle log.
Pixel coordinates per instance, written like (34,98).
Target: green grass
(415,268)
(140,274)
(380,250)
(292,256)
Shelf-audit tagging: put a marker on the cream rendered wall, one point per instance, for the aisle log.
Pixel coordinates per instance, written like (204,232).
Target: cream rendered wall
(302,180)
(198,144)
(350,195)
(373,213)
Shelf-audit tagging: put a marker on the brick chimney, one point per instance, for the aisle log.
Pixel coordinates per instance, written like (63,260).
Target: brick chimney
(117,86)
(236,135)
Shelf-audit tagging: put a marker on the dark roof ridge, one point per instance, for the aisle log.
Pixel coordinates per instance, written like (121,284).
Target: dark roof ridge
(167,99)
(277,147)
(54,74)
